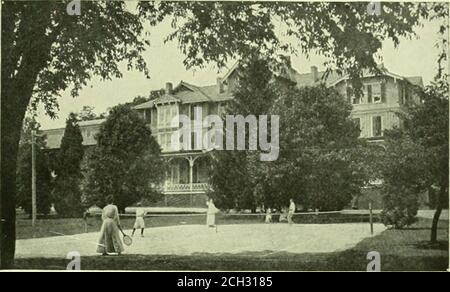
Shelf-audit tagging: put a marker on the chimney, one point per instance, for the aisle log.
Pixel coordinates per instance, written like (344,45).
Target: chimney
(169,88)
(219,85)
(314,73)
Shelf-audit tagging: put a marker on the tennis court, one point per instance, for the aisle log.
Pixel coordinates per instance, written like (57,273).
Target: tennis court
(267,239)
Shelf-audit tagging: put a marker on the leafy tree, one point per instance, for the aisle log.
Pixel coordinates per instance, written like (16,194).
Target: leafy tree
(88,114)
(417,155)
(403,169)
(254,95)
(126,163)
(43,180)
(231,189)
(422,142)
(67,193)
(43,175)
(318,143)
(44,51)
(154,94)
(219,31)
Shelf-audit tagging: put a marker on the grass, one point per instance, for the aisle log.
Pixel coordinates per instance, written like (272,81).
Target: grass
(400,250)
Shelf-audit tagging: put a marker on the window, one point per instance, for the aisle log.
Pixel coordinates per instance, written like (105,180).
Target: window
(368,93)
(164,141)
(379,92)
(407,95)
(165,114)
(352,97)
(349,92)
(376,126)
(196,109)
(147,115)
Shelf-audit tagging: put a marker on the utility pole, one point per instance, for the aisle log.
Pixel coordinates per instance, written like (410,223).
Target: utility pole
(33,178)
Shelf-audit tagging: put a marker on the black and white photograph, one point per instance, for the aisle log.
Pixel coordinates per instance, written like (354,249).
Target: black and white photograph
(239,136)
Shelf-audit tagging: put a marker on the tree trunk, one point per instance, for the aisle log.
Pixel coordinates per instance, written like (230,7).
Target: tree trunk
(18,80)
(437,214)
(10,129)
(15,98)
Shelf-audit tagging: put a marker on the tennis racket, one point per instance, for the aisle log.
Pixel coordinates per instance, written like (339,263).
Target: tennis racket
(127,240)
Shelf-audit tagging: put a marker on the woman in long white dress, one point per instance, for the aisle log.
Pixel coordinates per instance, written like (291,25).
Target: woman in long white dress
(211,213)
(110,240)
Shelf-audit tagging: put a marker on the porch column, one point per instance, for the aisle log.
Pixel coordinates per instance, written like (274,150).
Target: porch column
(191,172)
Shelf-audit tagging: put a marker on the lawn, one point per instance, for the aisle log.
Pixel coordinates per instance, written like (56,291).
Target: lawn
(400,250)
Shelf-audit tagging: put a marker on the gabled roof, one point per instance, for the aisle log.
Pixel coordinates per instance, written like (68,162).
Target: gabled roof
(166,98)
(147,104)
(232,69)
(186,93)
(193,94)
(384,72)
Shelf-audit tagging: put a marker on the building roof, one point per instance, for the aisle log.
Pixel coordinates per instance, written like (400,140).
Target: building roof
(166,98)
(147,104)
(415,80)
(334,78)
(88,130)
(306,79)
(186,93)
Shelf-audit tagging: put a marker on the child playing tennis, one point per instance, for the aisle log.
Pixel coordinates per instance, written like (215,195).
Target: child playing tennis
(139,223)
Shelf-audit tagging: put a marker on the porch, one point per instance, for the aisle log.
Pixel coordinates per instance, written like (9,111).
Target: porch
(187,174)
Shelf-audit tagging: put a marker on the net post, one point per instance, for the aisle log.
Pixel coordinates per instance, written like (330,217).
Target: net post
(371,218)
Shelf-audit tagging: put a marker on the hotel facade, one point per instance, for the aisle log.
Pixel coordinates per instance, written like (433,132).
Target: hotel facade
(186,182)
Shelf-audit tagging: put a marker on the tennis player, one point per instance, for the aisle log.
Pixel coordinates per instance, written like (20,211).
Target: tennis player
(291,211)
(211,213)
(140,222)
(268,215)
(110,241)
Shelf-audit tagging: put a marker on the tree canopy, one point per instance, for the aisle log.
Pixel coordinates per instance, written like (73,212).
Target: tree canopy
(67,193)
(126,163)
(417,158)
(24,171)
(317,147)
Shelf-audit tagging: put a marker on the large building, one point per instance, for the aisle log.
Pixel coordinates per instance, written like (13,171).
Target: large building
(186,182)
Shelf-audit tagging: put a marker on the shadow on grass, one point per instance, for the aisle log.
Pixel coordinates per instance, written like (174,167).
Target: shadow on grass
(423,228)
(441,245)
(351,260)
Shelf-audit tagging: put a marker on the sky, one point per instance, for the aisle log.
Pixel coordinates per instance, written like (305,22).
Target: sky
(415,57)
